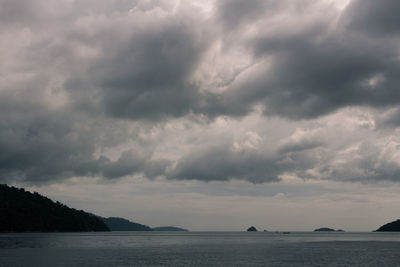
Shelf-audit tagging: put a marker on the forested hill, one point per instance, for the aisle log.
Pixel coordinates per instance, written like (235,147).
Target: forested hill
(390,227)
(22,211)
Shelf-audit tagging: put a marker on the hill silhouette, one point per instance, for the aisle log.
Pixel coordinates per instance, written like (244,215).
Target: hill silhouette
(121,224)
(324,229)
(252,229)
(23,211)
(168,228)
(390,227)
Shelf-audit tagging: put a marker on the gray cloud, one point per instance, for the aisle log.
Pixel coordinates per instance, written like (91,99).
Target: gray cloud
(389,119)
(21,13)
(148,76)
(234,13)
(309,68)
(372,17)
(366,162)
(132,162)
(222,164)
(250,160)
(41,144)
(300,145)
(147,73)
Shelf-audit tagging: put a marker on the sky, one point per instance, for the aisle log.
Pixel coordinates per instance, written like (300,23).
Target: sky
(209,115)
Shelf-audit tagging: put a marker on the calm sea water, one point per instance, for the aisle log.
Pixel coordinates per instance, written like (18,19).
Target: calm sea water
(200,249)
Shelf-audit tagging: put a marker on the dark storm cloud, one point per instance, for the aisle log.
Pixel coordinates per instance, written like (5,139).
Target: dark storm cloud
(373,17)
(303,68)
(41,144)
(145,63)
(148,76)
(332,75)
(50,132)
(310,68)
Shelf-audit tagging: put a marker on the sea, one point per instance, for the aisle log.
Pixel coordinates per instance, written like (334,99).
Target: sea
(200,249)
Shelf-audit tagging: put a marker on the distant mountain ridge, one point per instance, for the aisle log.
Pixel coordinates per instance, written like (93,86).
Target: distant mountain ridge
(170,228)
(23,211)
(121,224)
(326,229)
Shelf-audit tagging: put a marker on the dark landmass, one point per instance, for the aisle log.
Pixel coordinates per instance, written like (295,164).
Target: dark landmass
(23,211)
(390,227)
(324,229)
(121,224)
(169,228)
(252,229)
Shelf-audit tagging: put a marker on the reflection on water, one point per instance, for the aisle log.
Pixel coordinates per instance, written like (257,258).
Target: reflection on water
(199,249)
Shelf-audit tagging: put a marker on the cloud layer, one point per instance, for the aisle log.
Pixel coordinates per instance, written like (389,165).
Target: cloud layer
(205,90)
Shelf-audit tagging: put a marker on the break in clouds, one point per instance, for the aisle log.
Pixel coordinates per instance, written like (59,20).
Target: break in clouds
(205,90)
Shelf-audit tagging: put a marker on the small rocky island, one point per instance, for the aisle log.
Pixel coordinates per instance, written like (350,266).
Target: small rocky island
(252,229)
(390,227)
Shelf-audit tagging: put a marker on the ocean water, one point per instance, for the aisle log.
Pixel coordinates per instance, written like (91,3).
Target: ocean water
(200,249)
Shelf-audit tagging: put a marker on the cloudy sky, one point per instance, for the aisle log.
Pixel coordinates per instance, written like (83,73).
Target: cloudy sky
(210,115)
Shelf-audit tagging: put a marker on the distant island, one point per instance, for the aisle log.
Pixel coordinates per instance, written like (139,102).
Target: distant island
(169,228)
(252,229)
(121,224)
(23,211)
(390,227)
(326,229)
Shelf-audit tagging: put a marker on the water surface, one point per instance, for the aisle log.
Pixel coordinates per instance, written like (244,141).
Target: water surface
(200,249)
